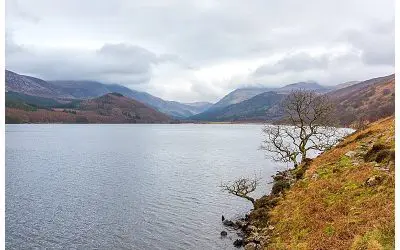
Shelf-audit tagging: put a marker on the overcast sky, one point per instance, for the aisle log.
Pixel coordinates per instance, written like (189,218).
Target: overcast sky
(200,50)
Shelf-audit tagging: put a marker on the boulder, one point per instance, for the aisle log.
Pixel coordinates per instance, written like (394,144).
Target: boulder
(238,243)
(251,246)
(241,223)
(374,180)
(228,223)
(351,154)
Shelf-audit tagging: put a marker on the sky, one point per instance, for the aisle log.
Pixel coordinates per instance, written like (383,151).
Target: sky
(190,50)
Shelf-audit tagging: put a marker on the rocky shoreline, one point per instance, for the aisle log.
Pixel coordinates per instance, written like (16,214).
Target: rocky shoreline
(255,227)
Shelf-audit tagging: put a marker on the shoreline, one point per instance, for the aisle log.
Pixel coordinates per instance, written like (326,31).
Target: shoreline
(358,160)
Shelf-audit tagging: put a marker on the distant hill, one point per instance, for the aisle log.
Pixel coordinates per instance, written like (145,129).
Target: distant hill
(261,107)
(303,85)
(243,94)
(110,108)
(68,90)
(367,101)
(90,89)
(32,86)
(344,85)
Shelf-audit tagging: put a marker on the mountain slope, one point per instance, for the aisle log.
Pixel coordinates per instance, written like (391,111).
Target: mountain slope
(67,89)
(239,95)
(32,86)
(90,89)
(110,108)
(365,101)
(258,108)
(344,201)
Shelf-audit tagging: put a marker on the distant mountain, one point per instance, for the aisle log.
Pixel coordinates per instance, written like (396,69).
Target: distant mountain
(238,95)
(89,89)
(32,86)
(200,106)
(310,85)
(243,94)
(109,108)
(261,107)
(368,100)
(344,85)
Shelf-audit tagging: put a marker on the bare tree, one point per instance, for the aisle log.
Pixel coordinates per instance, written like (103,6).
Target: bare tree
(242,187)
(310,118)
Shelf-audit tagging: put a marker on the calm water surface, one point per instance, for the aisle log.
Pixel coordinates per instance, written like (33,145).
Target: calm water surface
(127,186)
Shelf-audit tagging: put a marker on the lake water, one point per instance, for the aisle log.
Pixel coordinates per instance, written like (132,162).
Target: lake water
(127,186)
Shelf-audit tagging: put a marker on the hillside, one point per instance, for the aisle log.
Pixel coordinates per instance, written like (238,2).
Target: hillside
(110,108)
(365,101)
(258,108)
(242,94)
(67,90)
(344,201)
(90,89)
(32,86)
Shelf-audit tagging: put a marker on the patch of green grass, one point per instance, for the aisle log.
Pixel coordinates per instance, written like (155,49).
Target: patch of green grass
(329,230)
(344,162)
(375,239)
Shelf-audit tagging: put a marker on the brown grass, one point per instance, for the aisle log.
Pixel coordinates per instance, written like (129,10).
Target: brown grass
(332,207)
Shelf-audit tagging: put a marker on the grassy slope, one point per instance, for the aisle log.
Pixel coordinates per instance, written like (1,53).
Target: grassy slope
(332,207)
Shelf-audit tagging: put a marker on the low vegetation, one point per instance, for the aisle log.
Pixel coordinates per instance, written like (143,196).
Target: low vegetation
(110,108)
(343,199)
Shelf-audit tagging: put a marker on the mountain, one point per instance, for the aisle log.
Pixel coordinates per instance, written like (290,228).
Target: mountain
(88,89)
(310,85)
(243,94)
(366,101)
(261,107)
(238,95)
(109,108)
(200,106)
(343,199)
(344,85)
(66,89)
(32,86)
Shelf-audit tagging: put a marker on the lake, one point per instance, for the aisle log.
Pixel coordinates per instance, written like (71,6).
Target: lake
(127,186)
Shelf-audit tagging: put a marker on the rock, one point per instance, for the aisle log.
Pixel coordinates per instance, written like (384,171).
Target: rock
(228,223)
(374,180)
(224,233)
(241,224)
(250,229)
(251,246)
(240,234)
(238,243)
(351,154)
(270,227)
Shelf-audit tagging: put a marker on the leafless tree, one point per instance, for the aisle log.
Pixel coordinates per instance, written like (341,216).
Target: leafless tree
(242,187)
(311,126)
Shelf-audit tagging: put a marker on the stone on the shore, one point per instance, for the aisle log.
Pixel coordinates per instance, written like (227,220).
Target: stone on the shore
(241,223)
(224,233)
(228,223)
(238,243)
(251,246)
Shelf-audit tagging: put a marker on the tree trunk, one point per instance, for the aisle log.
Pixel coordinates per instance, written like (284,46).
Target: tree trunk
(249,198)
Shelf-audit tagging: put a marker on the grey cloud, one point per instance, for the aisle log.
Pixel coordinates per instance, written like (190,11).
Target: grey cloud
(375,42)
(111,63)
(294,62)
(139,36)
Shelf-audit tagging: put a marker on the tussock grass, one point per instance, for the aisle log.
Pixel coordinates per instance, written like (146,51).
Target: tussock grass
(331,207)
